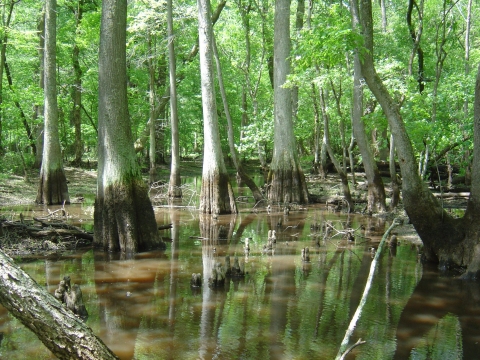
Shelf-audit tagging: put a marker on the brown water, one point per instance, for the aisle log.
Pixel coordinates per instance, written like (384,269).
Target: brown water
(144,308)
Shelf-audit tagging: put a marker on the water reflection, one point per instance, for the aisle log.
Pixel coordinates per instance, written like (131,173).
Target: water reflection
(144,308)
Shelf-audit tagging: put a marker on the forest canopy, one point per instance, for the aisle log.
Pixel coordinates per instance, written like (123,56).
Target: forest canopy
(321,54)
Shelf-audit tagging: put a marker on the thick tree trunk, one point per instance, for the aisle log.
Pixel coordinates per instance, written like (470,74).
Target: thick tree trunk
(473,208)
(216,196)
(441,234)
(52,187)
(286,181)
(174,189)
(123,216)
(62,332)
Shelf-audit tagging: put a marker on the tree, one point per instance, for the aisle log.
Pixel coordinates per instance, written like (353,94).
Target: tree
(286,181)
(448,241)
(216,196)
(375,190)
(75,114)
(174,189)
(52,188)
(241,174)
(59,329)
(38,108)
(3,48)
(123,216)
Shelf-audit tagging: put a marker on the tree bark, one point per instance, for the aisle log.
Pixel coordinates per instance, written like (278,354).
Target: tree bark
(416,36)
(52,187)
(75,115)
(174,189)
(393,176)
(376,190)
(123,215)
(216,196)
(62,332)
(443,236)
(286,181)
(473,207)
(326,142)
(152,120)
(39,131)
(3,49)
(257,194)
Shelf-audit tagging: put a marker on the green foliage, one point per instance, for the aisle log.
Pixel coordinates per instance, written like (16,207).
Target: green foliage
(321,54)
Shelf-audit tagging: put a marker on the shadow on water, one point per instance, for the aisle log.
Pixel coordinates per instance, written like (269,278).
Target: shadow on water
(283,308)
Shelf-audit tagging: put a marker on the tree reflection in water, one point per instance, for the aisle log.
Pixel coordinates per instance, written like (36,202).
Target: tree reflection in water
(144,307)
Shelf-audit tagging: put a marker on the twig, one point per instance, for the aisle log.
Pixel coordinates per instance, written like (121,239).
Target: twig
(359,342)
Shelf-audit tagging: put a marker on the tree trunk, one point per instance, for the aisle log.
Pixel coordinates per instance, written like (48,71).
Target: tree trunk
(441,234)
(152,120)
(52,187)
(286,181)
(3,49)
(123,216)
(39,131)
(416,36)
(174,189)
(76,117)
(216,196)
(326,142)
(376,190)
(393,176)
(473,208)
(62,332)
(257,194)
(160,108)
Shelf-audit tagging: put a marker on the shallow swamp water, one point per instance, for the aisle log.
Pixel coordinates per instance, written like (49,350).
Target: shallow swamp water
(283,308)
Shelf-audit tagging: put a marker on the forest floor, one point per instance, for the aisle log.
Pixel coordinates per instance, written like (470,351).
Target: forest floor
(17,191)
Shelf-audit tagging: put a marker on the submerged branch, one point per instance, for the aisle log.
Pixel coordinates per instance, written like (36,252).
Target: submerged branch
(368,285)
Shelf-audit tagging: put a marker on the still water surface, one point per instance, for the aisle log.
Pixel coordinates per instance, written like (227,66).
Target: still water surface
(145,308)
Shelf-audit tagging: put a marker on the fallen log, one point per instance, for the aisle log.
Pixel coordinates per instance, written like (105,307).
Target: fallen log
(61,232)
(452,195)
(61,331)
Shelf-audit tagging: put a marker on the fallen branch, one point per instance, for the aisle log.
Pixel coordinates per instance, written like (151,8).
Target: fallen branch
(59,329)
(61,232)
(363,300)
